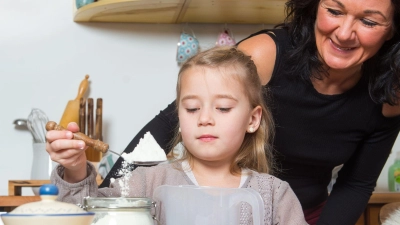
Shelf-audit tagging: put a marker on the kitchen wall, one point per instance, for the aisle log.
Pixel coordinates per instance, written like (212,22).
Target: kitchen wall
(44,55)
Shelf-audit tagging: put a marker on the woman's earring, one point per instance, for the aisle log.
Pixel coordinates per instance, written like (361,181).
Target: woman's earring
(251,130)
(179,130)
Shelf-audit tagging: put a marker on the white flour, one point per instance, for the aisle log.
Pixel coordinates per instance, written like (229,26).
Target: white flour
(123,182)
(125,218)
(147,150)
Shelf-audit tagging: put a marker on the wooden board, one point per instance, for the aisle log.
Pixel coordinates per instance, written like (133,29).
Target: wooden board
(15,186)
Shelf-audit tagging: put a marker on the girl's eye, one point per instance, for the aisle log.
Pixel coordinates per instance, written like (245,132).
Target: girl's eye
(192,110)
(369,23)
(224,109)
(334,12)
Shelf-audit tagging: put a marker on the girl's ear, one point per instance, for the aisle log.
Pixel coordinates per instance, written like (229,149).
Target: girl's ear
(255,119)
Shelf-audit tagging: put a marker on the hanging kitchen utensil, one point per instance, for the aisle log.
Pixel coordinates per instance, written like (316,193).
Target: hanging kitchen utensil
(71,112)
(20,123)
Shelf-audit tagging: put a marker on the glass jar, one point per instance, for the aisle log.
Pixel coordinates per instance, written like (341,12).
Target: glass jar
(121,211)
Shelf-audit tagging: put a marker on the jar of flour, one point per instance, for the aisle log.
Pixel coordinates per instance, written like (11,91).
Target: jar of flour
(121,211)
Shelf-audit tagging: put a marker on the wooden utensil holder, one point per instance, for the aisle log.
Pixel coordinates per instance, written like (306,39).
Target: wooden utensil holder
(88,125)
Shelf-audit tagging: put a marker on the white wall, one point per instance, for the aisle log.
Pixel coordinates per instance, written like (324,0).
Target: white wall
(44,55)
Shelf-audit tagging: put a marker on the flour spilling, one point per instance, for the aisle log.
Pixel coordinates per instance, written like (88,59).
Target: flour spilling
(147,150)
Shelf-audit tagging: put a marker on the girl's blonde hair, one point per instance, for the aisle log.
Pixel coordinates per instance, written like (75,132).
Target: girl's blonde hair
(256,150)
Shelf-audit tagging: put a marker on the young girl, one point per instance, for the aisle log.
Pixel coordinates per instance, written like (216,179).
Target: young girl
(226,132)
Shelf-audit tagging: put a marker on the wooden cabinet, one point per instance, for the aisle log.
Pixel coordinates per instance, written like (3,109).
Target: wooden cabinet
(377,200)
(183,11)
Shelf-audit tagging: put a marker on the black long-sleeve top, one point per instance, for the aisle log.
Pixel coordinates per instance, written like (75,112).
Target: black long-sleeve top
(314,133)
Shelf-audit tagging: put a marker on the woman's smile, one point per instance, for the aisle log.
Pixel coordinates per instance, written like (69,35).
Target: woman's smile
(341,48)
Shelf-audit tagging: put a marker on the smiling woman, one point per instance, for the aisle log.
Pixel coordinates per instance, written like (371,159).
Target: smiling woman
(333,58)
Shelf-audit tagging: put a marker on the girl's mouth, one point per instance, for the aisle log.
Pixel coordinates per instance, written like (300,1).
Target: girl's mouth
(207,138)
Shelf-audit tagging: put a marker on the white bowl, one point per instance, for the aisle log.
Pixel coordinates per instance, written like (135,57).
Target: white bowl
(48,211)
(48,219)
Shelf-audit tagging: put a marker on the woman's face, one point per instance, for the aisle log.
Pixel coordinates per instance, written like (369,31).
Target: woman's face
(348,32)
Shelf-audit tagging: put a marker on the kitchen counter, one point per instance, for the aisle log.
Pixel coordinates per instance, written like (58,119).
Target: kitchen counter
(369,217)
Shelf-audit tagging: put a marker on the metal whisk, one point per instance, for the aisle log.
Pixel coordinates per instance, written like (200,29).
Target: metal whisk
(36,122)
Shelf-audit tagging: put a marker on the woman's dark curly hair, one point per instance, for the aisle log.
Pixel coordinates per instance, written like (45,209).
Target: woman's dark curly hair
(383,69)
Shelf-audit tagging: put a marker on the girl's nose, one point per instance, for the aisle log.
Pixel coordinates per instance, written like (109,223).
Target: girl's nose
(206,117)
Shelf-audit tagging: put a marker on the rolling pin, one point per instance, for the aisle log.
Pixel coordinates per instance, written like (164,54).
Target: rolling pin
(95,144)
(71,112)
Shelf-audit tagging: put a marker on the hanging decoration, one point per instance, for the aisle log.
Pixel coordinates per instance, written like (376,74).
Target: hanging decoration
(225,38)
(188,46)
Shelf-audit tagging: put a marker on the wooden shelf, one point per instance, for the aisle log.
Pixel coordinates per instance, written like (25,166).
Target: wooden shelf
(183,11)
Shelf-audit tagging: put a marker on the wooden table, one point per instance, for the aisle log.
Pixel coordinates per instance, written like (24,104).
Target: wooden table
(9,203)
(371,215)
(375,203)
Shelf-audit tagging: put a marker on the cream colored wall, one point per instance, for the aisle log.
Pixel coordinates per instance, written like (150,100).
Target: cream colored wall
(44,56)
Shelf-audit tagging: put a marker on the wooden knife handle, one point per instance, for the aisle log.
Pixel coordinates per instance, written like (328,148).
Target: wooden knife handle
(95,144)
(90,119)
(98,131)
(82,115)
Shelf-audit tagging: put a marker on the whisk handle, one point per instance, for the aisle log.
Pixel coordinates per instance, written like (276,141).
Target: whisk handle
(95,144)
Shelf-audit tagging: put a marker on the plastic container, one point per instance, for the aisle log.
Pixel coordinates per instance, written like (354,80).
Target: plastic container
(394,175)
(206,205)
(121,211)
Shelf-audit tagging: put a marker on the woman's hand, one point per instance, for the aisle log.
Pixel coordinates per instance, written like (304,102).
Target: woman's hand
(68,152)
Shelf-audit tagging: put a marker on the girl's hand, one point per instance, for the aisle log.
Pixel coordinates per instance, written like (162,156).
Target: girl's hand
(68,152)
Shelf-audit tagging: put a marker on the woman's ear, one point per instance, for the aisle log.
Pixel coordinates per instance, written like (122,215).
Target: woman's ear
(255,119)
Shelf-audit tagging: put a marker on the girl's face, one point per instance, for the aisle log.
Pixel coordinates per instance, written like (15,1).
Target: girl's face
(348,32)
(214,114)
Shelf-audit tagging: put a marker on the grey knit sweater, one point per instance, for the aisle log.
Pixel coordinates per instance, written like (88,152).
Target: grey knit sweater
(281,206)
